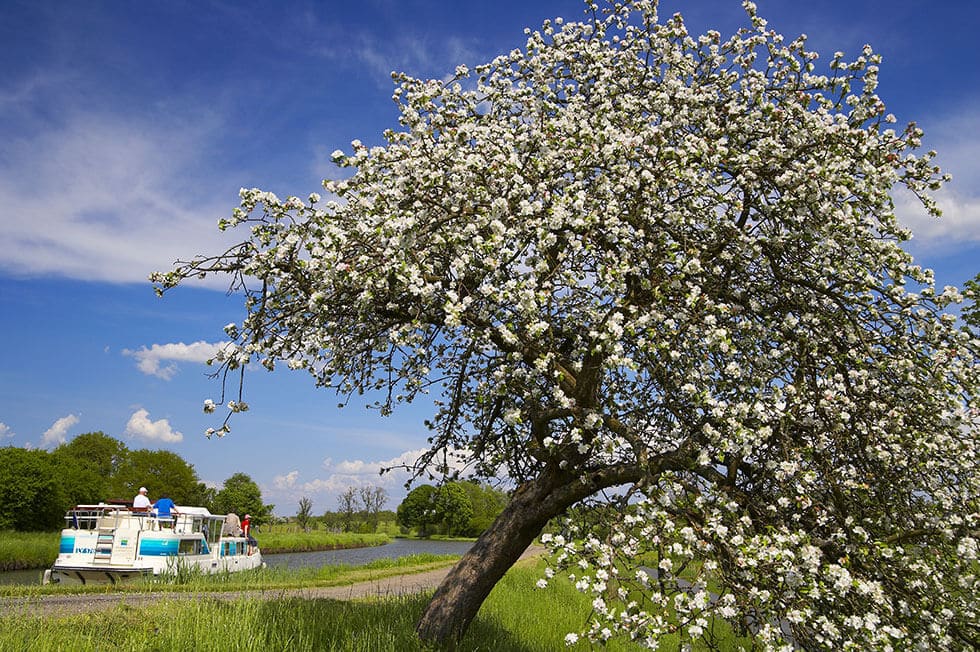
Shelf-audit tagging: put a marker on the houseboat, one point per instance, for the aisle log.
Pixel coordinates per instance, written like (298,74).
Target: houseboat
(106,544)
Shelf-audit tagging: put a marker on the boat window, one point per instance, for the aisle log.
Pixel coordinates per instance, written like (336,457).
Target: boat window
(213,531)
(190,547)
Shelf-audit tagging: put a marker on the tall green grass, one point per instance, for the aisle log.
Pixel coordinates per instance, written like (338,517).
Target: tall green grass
(20,550)
(271,579)
(273,542)
(516,617)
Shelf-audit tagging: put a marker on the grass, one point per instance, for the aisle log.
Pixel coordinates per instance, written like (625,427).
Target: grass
(276,542)
(21,550)
(516,617)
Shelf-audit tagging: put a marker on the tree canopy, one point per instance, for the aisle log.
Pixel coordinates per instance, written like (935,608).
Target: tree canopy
(87,466)
(417,510)
(241,495)
(31,497)
(454,508)
(628,256)
(160,471)
(971,312)
(37,487)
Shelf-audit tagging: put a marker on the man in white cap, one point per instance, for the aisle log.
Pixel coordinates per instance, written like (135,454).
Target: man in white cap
(141,501)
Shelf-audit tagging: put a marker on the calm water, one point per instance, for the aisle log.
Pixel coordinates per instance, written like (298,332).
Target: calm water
(21,576)
(354,557)
(358,556)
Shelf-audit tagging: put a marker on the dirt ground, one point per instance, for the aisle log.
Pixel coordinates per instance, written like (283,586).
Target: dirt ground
(65,605)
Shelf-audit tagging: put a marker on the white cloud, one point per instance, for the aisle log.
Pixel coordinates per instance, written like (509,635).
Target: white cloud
(956,138)
(140,427)
(287,481)
(150,360)
(5,431)
(94,197)
(958,226)
(359,473)
(58,432)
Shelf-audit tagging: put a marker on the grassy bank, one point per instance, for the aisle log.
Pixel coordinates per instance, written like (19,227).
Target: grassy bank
(21,550)
(276,542)
(515,617)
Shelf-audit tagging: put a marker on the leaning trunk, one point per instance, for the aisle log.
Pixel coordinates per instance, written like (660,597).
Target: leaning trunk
(459,597)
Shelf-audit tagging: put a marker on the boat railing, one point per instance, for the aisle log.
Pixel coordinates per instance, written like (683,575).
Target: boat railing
(112,517)
(107,517)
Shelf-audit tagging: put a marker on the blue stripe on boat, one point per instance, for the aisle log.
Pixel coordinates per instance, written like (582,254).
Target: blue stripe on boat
(159,547)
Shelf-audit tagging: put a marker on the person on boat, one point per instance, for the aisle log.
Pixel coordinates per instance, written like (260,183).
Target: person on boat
(247,533)
(141,501)
(232,527)
(166,510)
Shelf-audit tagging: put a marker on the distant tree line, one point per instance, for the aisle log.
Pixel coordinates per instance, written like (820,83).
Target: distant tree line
(453,509)
(360,509)
(37,487)
(462,509)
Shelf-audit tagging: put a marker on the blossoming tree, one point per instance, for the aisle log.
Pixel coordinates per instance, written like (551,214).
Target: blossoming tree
(629,258)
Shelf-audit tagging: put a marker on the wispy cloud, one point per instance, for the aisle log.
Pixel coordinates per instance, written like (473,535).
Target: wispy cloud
(410,52)
(140,427)
(956,138)
(160,359)
(5,431)
(958,226)
(58,432)
(286,481)
(95,195)
(360,473)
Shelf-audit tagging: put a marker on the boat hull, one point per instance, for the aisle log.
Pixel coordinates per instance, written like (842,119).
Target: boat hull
(90,575)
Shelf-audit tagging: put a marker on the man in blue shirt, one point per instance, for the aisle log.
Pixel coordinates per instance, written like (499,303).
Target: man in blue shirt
(166,510)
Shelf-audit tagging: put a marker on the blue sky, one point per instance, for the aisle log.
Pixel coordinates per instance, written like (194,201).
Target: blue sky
(127,128)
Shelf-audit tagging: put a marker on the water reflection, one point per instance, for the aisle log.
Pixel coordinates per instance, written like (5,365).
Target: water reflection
(30,576)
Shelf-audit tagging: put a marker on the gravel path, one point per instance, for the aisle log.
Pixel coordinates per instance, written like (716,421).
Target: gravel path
(66,605)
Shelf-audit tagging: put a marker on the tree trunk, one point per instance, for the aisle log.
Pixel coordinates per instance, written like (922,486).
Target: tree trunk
(459,597)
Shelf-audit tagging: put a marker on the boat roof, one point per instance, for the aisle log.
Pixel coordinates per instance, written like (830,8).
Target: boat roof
(196,511)
(183,509)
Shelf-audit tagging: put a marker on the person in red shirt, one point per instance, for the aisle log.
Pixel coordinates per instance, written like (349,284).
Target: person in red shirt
(247,533)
